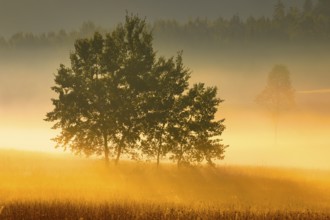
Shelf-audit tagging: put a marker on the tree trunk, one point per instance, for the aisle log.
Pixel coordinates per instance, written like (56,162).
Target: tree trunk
(160,142)
(179,161)
(158,154)
(180,156)
(106,149)
(118,154)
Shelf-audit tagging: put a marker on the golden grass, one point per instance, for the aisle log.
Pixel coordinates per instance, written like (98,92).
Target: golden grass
(33,184)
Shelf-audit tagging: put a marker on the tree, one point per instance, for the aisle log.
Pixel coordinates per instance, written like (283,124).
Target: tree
(293,18)
(308,7)
(181,121)
(279,11)
(99,95)
(308,21)
(170,81)
(194,131)
(131,46)
(279,24)
(116,98)
(278,95)
(323,8)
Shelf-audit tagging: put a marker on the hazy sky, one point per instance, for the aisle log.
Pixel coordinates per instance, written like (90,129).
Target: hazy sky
(49,15)
(26,78)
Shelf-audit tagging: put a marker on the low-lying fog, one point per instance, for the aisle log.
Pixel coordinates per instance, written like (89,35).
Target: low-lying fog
(303,132)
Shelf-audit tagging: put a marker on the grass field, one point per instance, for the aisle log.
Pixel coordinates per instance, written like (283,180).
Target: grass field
(44,186)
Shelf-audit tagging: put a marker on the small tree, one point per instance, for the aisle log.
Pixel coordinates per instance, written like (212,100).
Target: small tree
(278,95)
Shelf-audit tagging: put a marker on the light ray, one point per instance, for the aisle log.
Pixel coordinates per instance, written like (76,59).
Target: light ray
(315,91)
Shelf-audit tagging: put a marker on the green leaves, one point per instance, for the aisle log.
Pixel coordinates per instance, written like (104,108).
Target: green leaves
(195,131)
(116,96)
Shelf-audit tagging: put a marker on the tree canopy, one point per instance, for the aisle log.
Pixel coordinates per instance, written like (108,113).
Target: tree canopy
(118,98)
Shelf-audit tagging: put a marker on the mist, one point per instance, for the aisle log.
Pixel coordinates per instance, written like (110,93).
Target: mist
(52,178)
(240,73)
(155,110)
(303,131)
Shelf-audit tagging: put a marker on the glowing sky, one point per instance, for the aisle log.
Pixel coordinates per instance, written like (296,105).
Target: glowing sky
(303,138)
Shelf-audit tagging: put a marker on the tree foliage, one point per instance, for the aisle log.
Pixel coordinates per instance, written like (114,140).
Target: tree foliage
(117,98)
(195,133)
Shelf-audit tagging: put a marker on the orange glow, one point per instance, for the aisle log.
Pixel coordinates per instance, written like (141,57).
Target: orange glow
(303,132)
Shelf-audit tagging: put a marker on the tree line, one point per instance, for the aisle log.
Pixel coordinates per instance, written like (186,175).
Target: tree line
(117,98)
(60,38)
(287,25)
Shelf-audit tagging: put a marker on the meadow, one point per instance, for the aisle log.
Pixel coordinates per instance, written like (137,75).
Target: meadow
(51,186)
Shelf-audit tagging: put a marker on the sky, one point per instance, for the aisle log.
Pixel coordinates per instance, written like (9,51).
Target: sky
(51,15)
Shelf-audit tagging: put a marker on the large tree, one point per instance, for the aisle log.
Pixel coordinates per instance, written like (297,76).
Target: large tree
(116,98)
(98,96)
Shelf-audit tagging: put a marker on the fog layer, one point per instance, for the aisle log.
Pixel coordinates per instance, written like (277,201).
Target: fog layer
(302,138)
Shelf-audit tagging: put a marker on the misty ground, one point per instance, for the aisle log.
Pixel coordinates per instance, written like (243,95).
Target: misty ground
(28,177)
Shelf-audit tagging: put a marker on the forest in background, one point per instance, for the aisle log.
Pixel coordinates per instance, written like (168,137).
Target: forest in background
(287,26)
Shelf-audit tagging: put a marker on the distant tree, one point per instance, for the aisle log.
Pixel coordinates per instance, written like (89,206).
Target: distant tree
(322,7)
(279,23)
(307,22)
(321,16)
(278,95)
(293,21)
(3,42)
(236,28)
(279,11)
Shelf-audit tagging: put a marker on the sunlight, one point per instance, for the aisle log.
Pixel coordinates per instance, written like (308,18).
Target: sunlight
(32,138)
(165,109)
(315,91)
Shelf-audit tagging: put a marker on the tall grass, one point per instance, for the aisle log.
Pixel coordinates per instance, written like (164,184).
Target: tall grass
(56,210)
(42,186)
